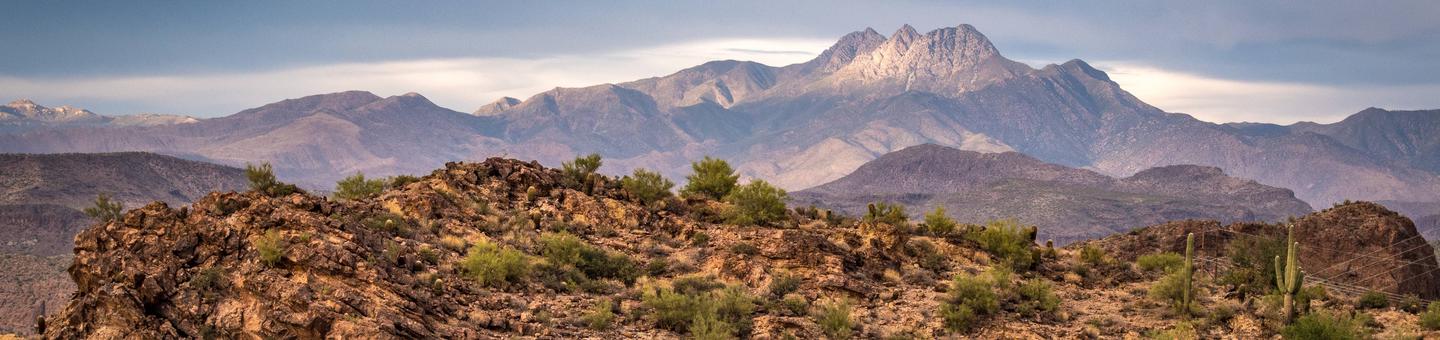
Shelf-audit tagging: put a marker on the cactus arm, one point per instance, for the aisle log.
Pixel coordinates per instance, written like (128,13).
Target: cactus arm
(1189,268)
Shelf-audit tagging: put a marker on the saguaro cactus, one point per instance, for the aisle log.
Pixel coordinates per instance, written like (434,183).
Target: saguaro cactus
(1288,277)
(1188,271)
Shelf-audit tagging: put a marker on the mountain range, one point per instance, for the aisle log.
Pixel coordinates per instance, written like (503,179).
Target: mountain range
(24,115)
(804,124)
(1067,204)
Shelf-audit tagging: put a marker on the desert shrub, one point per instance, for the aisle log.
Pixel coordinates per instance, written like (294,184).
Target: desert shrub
(929,257)
(1163,262)
(648,186)
(887,213)
(699,239)
(356,187)
(833,316)
(104,209)
(970,298)
(694,285)
(1410,303)
(385,221)
(707,313)
(1181,331)
(493,265)
(601,315)
(744,248)
(1169,289)
(566,250)
(757,203)
(1036,297)
(453,242)
(1007,241)
(1372,299)
(208,279)
(1326,325)
(271,248)
(580,172)
(1253,270)
(794,304)
(1092,256)
(712,178)
(937,223)
(399,181)
(783,283)
(262,179)
(1430,319)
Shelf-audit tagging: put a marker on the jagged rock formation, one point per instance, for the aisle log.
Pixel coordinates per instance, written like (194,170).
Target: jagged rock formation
(1360,243)
(1068,204)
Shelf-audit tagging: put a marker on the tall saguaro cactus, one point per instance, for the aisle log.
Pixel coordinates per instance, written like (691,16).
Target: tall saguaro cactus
(1288,276)
(1188,271)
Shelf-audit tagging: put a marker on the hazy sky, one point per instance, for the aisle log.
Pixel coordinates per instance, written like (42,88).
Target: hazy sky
(1279,61)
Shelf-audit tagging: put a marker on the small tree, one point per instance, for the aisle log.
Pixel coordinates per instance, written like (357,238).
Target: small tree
(357,187)
(757,203)
(262,179)
(581,171)
(937,223)
(648,186)
(713,178)
(105,210)
(888,213)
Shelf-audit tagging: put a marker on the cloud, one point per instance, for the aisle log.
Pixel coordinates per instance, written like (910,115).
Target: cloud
(459,83)
(1228,100)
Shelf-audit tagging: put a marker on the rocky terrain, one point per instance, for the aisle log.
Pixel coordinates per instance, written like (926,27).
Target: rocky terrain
(41,202)
(805,124)
(1068,204)
(510,249)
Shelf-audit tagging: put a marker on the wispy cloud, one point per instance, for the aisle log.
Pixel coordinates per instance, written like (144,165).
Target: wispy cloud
(459,83)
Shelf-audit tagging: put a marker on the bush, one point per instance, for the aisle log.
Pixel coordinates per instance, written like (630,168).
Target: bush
(1410,303)
(357,187)
(1430,319)
(262,179)
(713,178)
(648,186)
(105,210)
(970,298)
(937,223)
(757,203)
(1165,262)
(887,213)
(1253,270)
(493,265)
(744,248)
(794,304)
(1325,325)
(1181,331)
(208,279)
(699,239)
(783,283)
(601,315)
(399,181)
(271,248)
(385,221)
(1372,299)
(1036,297)
(833,317)
(567,251)
(710,312)
(1170,289)
(580,172)
(1007,241)
(1092,255)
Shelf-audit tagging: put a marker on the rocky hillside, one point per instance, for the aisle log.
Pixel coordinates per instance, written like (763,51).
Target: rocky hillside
(41,197)
(1068,204)
(805,124)
(504,248)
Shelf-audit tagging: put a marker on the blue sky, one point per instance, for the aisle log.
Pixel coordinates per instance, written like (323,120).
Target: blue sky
(1273,61)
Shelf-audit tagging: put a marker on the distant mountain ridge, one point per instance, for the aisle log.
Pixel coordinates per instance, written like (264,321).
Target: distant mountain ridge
(24,115)
(804,124)
(1068,204)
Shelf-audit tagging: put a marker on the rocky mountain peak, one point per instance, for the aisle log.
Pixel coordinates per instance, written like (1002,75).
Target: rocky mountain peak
(905,35)
(945,60)
(497,106)
(21,103)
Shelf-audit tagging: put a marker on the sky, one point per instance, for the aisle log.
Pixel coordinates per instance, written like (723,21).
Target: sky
(1221,61)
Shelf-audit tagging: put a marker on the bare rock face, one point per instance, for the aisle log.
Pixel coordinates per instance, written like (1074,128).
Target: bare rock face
(1360,244)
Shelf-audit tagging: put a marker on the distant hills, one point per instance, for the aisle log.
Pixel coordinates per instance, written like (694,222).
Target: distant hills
(24,115)
(804,124)
(1068,204)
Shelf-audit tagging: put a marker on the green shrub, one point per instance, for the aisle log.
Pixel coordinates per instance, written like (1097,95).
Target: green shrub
(970,298)
(568,251)
(1170,289)
(833,317)
(1372,299)
(648,186)
(937,223)
(1007,241)
(580,172)
(262,179)
(1410,303)
(709,327)
(887,213)
(713,178)
(399,181)
(208,279)
(699,239)
(707,313)
(794,304)
(386,221)
(1253,270)
(357,187)
(757,203)
(1326,325)
(1164,262)
(601,315)
(929,257)
(105,210)
(1036,297)
(744,248)
(271,248)
(492,265)
(783,283)
(1430,319)
(1182,331)
(1092,255)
